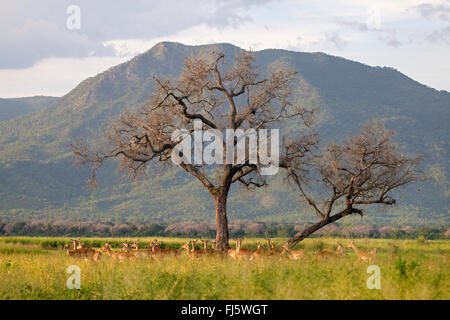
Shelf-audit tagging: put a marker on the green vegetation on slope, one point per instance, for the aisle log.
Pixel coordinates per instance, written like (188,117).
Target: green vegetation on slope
(14,107)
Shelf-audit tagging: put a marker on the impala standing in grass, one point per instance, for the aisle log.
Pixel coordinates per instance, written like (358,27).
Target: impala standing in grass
(362,255)
(120,256)
(292,254)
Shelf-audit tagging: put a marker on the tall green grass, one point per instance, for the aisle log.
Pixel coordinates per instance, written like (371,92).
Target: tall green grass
(416,270)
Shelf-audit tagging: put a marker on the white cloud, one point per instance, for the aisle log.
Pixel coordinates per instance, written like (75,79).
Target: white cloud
(53,76)
(114,31)
(35,30)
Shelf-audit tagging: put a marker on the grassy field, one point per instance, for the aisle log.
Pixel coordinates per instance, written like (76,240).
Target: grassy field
(35,268)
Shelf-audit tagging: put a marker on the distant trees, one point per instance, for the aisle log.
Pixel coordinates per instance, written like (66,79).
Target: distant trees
(344,179)
(238,228)
(191,228)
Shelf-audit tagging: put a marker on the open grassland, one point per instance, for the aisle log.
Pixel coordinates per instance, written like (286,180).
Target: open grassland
(35,268)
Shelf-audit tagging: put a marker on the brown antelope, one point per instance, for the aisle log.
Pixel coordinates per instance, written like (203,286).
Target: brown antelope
(362,255)
(81,246)
(192,252)
(205,246)
(141,253)
(74,243)
(270,248)
(324,253)
(232,252)
(187,246)
(340,249)
(242,253)
(126,246)
(195,253)
(136,245)
(85,253)
(256,254)
(158,251)
(77,244)
(273,249)
(154,244)
(120,256)
(292,254)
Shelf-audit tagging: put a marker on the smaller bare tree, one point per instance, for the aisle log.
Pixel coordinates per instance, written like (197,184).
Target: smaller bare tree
(344,179)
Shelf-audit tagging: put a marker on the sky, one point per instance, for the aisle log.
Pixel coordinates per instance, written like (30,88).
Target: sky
(47,47)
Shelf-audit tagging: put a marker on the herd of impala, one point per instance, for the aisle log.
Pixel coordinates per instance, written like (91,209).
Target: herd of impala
(130,251)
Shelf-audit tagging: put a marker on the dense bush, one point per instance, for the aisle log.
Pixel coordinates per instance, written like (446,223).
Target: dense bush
(238,228)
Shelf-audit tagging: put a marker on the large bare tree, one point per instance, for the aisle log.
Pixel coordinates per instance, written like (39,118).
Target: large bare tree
(344,179)
(222,97)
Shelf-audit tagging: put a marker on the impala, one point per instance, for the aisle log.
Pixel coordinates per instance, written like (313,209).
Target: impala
(241,253)
(141,253)
(126,247)
(257,253)
(327,253)
(232,252)
(362,255)
(324,253)
(154,245)
(292,254)
(121,256)
(192,252)
(195,253)
(340,249)
(273,249)
(136,245)
(270,246)
(86,253)
(187,246)
(77,244)
(157,250)
(205,246)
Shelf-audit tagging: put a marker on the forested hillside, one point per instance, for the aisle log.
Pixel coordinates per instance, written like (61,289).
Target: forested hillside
(14,107)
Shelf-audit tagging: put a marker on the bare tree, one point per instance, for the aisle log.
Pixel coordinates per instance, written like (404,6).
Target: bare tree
(222,98)
(344,179)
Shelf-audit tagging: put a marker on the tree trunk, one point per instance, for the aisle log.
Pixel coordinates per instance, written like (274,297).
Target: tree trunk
(322,223)
(220,201)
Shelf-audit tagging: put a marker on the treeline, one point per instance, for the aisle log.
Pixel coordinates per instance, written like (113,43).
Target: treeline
(239,228)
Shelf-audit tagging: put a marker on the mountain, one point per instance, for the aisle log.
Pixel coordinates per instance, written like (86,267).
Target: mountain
(14,107)
(38,180)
